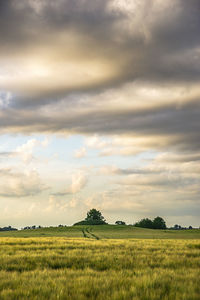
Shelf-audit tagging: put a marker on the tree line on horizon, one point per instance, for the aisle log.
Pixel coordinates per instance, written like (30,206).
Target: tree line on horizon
(95,217)
(8,228)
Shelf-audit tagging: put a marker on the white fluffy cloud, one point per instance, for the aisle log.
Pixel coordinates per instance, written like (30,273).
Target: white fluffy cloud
(79,181)
(26,150)
(17,184)
(80,152)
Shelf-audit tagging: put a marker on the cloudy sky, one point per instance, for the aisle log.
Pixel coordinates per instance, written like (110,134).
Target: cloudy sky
(99,107)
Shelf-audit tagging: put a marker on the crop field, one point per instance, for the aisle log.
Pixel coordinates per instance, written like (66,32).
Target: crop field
(89,266)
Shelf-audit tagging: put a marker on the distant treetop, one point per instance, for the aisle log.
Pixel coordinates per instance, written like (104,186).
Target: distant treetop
(94,217)
(120,223)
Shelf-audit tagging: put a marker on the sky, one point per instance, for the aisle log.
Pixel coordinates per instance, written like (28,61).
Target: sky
(99,108)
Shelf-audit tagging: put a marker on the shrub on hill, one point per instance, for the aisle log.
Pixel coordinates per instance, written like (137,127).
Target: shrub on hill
(120,223)
(90,222)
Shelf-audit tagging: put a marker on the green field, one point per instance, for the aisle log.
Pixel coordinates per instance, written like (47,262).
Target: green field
(100,262)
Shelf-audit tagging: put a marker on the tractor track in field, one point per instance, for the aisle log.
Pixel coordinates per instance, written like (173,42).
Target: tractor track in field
(88,234)
(84,233)
(92,234)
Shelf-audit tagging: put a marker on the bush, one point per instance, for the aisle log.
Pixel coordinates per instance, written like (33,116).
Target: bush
(120,223)
(157,223)
(90,222)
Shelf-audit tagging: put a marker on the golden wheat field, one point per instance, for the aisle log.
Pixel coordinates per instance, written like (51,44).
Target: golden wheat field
(78,268)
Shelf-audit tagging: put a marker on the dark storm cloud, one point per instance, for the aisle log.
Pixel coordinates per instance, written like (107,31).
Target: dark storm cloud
(29,22)
(154,41)
(150,42)
(179,127)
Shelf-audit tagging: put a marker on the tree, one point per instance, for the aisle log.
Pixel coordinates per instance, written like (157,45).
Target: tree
(176,226)
(144,223)
(94,217)
(159,223)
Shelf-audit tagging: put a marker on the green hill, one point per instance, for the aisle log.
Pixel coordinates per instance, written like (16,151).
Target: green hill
(105,232)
